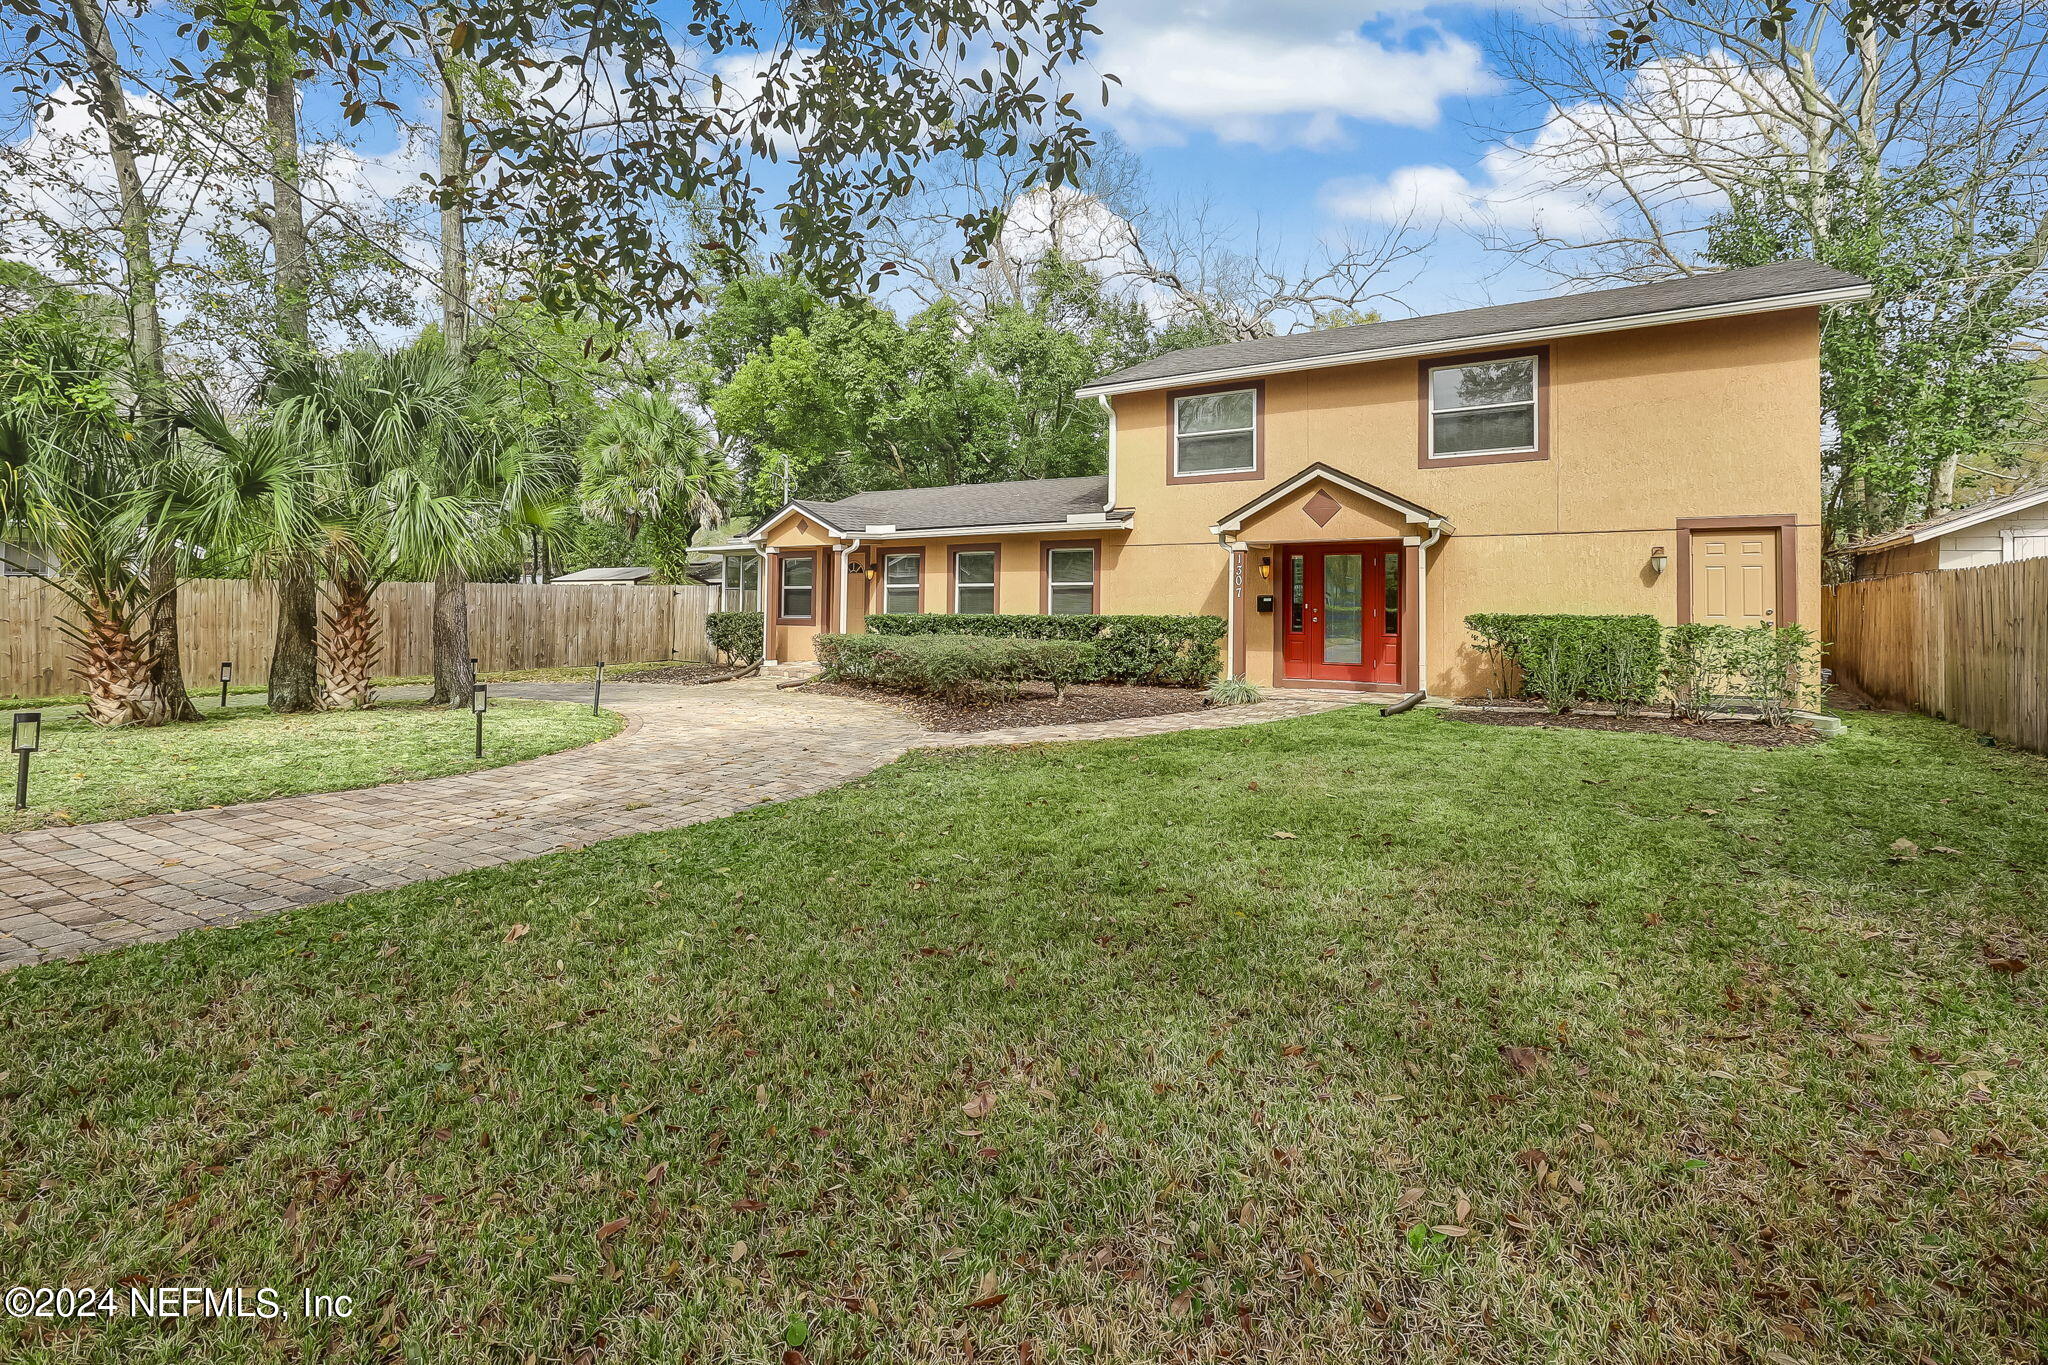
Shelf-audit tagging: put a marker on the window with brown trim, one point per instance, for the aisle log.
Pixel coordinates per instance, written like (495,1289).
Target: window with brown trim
(796,586)
(902,582)
(1073,578)
(974,579)
(1218,433)
(1485,409)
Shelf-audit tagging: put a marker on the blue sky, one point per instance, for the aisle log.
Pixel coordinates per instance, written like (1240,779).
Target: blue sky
(1293,115)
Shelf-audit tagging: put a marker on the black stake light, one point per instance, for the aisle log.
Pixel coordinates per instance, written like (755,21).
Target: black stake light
(227,675)
(480,702)
(28,737)
(597,689)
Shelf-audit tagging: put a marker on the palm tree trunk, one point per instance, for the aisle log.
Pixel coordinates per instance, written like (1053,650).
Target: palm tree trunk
(350,648)
(114,659)
(294,669)
(453,677)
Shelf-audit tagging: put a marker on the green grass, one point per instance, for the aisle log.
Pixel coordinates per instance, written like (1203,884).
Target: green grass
(247,754)
(1527,1046)
(206,691)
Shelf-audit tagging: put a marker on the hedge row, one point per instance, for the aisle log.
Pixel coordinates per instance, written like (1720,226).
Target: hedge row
(956,668)
(1628,661)
(1172,651)
(736,634)
(1565,659)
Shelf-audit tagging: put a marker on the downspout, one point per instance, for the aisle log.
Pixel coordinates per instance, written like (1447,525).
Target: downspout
(1231,594)
(1110,408)
(770,593)
(845,557)
(1422,610)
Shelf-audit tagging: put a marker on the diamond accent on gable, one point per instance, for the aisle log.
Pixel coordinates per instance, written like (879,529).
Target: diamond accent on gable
(1322,507)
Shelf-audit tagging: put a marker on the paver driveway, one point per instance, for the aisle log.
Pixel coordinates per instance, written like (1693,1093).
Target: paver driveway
(687,754)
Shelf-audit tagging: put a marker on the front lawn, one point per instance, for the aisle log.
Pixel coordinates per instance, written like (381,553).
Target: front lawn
(1341,1039)
(246,754)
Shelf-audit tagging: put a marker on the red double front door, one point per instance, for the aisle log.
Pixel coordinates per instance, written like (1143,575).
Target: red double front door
(1340,610)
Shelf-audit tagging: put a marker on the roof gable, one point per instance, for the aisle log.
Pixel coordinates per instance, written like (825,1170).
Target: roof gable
(1948,523)
(1286,488)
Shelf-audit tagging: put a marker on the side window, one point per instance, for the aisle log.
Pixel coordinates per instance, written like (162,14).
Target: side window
(902,583)
(974,582)
(1070,580)
(799,586)
(1297,592)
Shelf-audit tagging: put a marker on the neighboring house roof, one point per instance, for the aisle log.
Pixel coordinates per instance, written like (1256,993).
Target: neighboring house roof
(605,576)
(958,507)
(1414,511)
(1935,527)
(1763,288)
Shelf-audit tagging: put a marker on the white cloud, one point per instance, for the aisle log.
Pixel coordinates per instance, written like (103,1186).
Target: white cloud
(1571,179)
(1287,72)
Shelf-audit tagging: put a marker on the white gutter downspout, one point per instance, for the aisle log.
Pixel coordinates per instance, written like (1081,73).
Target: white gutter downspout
(1422,609)
(771,592)
(844,591)
(1232,591)
(1110,408)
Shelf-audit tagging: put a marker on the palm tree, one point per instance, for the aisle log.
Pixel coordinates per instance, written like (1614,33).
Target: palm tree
(108,513)
(648,463)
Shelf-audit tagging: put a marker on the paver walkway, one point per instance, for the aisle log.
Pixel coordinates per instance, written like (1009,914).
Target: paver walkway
(687,754)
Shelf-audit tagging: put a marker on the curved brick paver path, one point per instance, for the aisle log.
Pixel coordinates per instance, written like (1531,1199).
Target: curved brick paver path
(687,754)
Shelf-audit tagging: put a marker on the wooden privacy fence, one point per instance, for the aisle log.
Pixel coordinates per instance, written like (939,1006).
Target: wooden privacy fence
(1967,645)
(511,625)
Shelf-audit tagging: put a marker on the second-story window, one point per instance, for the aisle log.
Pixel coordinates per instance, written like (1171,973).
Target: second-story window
(1216,433)
(1484,407)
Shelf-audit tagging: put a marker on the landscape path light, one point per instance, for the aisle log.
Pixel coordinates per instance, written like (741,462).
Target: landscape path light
(27,738)
(227,675)
(480,702)
(597,688)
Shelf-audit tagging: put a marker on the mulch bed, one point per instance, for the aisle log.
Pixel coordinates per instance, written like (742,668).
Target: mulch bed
(674,673)
(1753,733)
(1032,706)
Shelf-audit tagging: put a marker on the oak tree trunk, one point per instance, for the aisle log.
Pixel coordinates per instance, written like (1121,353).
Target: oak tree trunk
(453,677)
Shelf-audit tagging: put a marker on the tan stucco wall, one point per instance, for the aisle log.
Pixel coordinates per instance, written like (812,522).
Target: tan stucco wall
(1647,427)
(1020,580)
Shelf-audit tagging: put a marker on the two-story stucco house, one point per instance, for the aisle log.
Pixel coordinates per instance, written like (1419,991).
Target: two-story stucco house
(1344,498)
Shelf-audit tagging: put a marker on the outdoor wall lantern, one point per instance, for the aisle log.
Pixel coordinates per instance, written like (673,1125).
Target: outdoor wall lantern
(1659,561)
(28,737)
(227,675)
(597,690)
(480,702)
(1266,567)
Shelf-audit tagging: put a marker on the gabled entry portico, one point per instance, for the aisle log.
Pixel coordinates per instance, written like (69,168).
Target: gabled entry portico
(1327,581)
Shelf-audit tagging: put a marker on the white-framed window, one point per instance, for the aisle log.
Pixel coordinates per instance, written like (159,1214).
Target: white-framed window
(1216,433)
(902,583)
(974,582)
(799,586)
(1070,580)
(739,583)
(1483,407)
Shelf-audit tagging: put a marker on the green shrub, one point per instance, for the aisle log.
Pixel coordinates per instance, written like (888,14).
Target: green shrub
(1172,651)
(1696,660)
(1774,669)
(957,668)
(736,635)
(1567,659)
